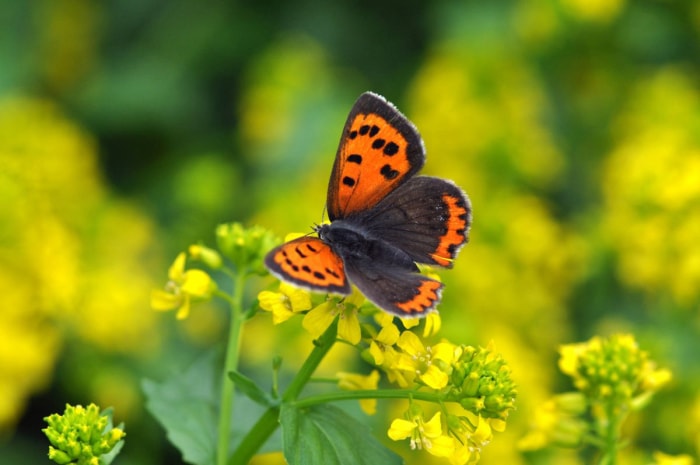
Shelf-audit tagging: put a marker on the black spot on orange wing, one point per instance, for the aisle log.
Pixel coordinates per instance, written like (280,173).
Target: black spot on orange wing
(388,172)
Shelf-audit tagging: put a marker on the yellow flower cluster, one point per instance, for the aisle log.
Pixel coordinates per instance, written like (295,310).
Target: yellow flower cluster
(613,371)
(460,440)
(652,192)
(613,377)
(476,382)
(67,254)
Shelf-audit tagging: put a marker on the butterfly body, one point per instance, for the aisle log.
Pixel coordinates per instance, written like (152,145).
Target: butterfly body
(384,219)
(355,245)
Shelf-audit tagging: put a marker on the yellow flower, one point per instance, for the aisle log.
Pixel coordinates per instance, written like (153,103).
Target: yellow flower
(385,339)
(321,317)
(422,360)
(392,367)
(433,323)
(664,459)
(424,435)
(285,303)
(409,323)
(182,287)
(353,381)
(653,379)
(569,358)
(470,441)
(206,255)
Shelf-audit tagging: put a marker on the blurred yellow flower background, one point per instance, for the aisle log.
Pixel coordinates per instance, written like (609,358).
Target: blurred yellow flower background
(129,131)
(75,263)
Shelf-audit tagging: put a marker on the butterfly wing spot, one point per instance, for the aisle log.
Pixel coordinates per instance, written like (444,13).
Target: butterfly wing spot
(388,172)
(391,149)
(455,229)
(367,129)
(426,296)
(355,158)
(299,252)
(332,273)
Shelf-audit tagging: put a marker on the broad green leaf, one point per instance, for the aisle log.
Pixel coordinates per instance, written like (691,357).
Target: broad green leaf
(326,435)
(187,405)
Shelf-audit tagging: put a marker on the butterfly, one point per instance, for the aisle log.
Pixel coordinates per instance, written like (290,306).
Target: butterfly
(383,218)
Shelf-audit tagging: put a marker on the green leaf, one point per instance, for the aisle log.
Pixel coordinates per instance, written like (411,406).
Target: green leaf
(109,457)
(326,435)
(187,405)
(248,387)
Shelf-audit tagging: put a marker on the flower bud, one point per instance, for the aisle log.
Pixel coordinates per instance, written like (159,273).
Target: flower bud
(246,248)
(80,435)
(209,257)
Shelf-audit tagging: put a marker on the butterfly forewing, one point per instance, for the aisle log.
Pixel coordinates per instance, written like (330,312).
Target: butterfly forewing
(310,263)
(379,150)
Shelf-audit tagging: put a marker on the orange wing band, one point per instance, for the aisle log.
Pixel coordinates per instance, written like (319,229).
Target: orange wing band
(456,226)
(427,295)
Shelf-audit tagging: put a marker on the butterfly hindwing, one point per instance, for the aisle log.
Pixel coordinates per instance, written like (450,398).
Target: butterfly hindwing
(310,263)
(428,218)
(379,150)
(395,290)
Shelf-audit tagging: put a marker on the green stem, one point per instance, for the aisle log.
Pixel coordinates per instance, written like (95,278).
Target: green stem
(323,345)
(268,422)
(232,355)
(368,394)
(611,440)
(256,437)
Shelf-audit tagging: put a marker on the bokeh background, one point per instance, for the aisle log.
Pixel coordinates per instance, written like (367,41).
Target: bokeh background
(130,129)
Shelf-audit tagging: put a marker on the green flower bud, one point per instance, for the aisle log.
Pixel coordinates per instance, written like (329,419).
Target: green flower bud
(612,370)
(571,403)
(80,435)
(59,456)
(482,383)
(246,248)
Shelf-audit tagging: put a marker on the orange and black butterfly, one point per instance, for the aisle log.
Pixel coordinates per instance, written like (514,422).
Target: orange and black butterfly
(384,218)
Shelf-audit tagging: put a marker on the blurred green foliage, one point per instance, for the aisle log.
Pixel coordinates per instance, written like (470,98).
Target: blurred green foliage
(130,129)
